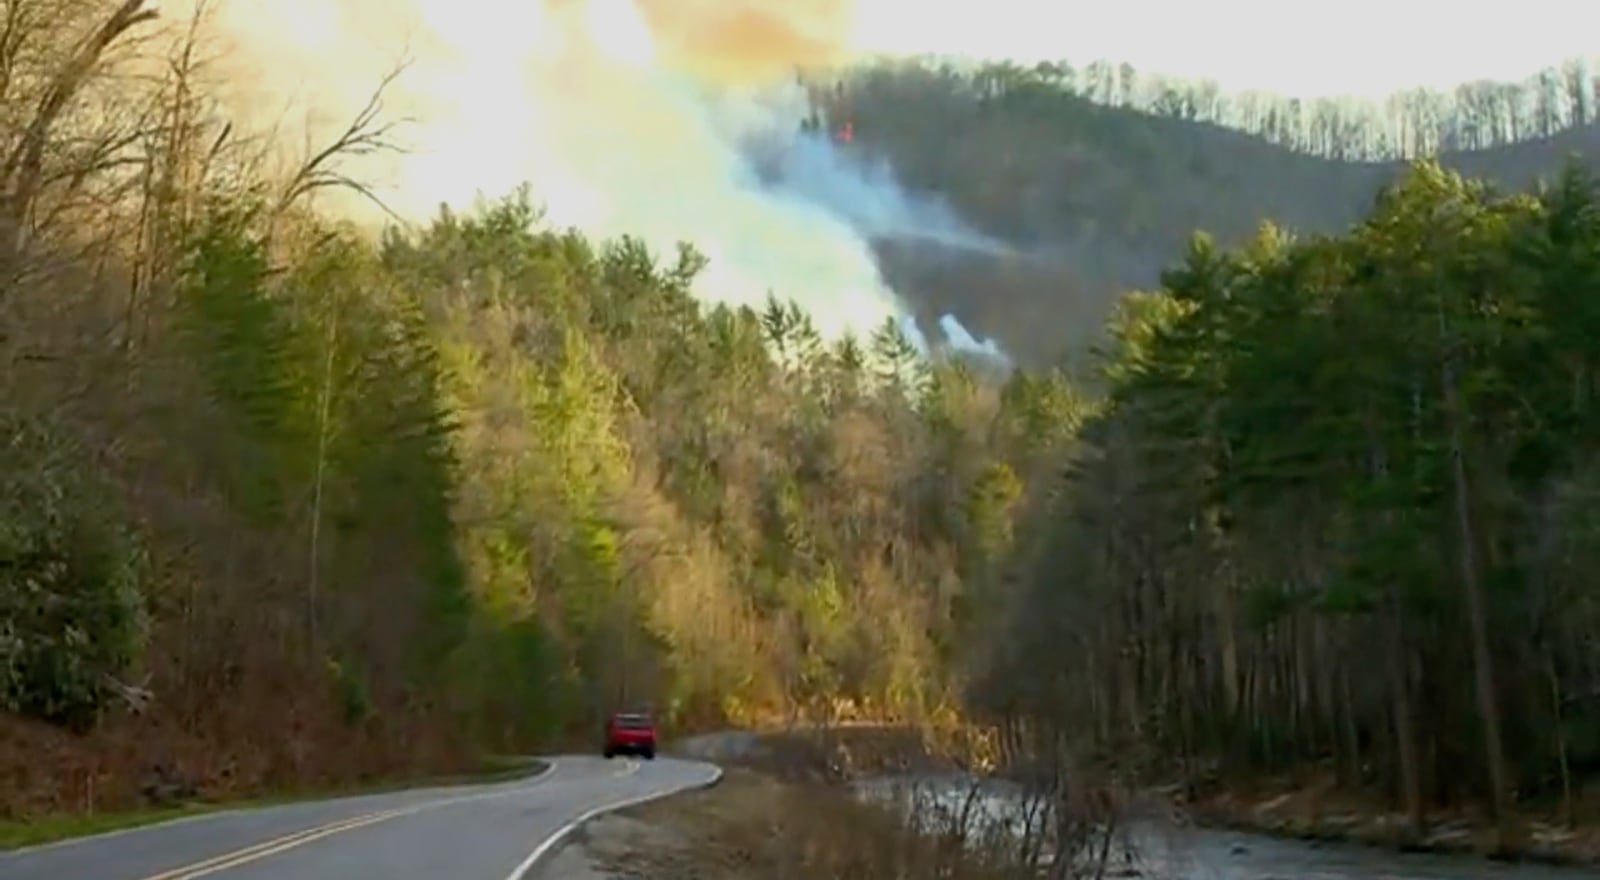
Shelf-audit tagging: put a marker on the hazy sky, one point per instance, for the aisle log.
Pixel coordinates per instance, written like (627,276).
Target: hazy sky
(1325,47)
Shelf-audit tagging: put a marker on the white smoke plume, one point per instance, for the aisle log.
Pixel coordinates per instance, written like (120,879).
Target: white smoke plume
(671,120)
(863,192)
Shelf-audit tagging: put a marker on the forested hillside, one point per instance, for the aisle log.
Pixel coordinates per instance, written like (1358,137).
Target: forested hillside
(283,504)
(471,487)
(1098,176)
(287,503)
(1339,510)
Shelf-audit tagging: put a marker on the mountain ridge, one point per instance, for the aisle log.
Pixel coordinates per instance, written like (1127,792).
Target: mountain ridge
(1096,199)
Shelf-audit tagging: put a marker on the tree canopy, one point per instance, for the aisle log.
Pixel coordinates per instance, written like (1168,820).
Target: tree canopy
(1339,506)
(1327,499)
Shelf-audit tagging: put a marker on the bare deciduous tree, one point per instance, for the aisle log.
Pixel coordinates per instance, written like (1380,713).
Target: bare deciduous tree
(24,175)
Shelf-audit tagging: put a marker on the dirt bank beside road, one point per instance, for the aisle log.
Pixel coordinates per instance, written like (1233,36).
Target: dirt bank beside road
(755,826)
(786,809)
(781,810)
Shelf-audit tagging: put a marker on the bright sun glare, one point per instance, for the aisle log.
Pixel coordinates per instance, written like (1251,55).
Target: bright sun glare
(620,32)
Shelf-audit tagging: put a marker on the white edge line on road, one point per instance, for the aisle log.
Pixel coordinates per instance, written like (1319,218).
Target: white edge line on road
(561,834)
(549,767)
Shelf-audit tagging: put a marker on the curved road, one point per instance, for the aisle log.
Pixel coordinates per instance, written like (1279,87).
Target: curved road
(483,832)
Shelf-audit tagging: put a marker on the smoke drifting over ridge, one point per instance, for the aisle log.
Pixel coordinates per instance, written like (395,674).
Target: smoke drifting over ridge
(671,120)
(745,41)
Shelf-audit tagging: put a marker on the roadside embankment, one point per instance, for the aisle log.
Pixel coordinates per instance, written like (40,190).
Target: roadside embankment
(789,806)
(754,826)
(1321,813)
(101,784)
(1290,810)
(783,809)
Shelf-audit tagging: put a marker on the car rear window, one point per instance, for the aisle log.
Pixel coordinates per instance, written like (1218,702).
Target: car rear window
(633,722)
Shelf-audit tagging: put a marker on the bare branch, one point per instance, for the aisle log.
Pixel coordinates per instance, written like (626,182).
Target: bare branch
(137,697)
(366,135)
(20,170)
(12,33)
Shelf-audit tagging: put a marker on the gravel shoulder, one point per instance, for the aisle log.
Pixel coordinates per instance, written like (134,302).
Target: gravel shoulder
(708,835)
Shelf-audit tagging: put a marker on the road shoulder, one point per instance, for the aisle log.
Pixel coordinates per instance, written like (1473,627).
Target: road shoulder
(755,824)
(701,834)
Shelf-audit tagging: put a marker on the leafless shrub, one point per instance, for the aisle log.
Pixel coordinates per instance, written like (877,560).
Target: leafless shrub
(1017,830)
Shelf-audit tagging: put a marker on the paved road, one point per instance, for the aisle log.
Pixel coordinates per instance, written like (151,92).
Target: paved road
(485,832)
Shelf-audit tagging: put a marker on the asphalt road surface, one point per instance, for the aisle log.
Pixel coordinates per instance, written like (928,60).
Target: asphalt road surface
(483,832)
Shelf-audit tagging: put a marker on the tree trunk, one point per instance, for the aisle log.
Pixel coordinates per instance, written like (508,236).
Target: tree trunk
(1568,810)
(1399,666)
(1223,606)
(314,551)
(1404,723)
(1482,659)
(1352,736)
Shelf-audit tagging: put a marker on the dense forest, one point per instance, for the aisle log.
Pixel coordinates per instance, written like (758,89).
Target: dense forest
(1408,125)
(464,487)
(1096,188)
(1339,507)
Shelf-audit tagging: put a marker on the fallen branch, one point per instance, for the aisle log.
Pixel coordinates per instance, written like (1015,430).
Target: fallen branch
(137,698)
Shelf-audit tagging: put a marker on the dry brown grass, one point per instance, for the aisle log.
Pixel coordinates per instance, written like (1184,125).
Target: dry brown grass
(754,826)
(787,808)
(1314,807)
(842,754)
(135,763)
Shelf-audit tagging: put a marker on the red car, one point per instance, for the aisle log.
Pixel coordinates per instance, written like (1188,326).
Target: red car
(630,733)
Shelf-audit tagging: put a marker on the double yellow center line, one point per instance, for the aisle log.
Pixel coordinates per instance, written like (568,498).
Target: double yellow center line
(300,838)
(275,846)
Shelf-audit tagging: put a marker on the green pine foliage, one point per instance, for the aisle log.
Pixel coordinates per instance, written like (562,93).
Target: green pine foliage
(1330,512)
(73,612)
(301,504)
